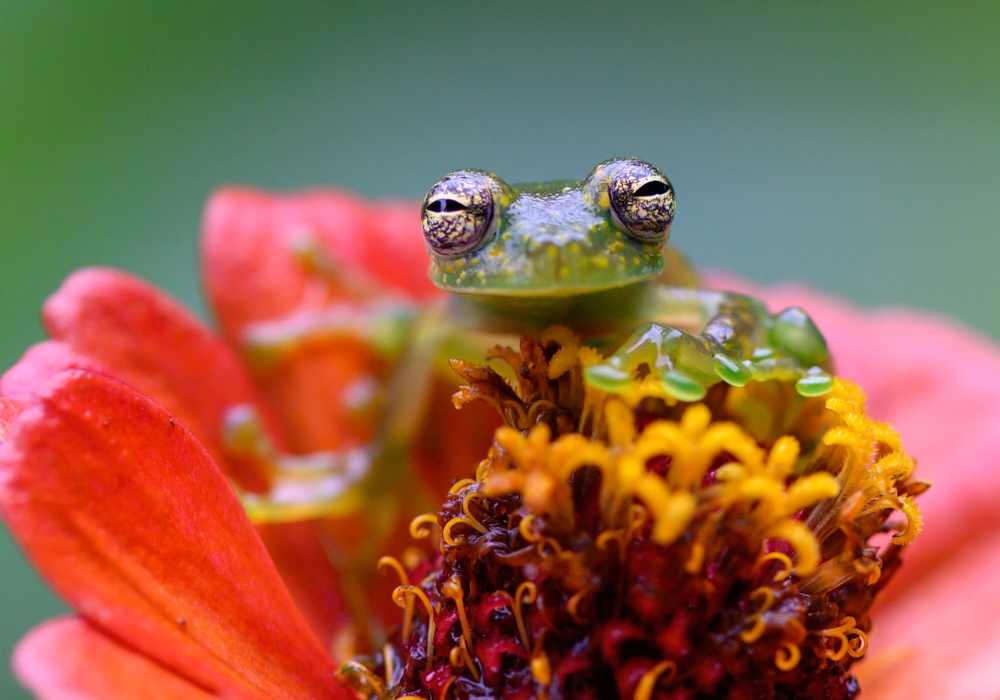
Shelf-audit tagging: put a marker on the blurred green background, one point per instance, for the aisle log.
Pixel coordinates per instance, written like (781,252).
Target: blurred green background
(853,146)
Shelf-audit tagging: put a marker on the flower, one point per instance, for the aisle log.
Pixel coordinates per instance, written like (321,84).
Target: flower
(117,489)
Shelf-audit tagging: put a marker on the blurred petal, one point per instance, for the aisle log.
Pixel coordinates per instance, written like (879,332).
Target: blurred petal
(68,659)
(128,518)
(941,639)
(152,343)
(248,240)
(253,274)
(938,384)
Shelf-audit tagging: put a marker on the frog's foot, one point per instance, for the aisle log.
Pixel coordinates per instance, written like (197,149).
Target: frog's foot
(738,345)
(301,487)
(380,324)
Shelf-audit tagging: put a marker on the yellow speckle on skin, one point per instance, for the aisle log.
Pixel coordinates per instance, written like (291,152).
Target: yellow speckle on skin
(481,275)
(449,267)
(574,248)
(636,261)
(599,261)
(459,264)
(552,251)
(604,200)
(461,276)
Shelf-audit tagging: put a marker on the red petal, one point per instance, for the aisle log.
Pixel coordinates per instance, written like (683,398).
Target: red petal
(68,659)
(941,639)
(247,243)
(79,304)
(129,519)
(152,343)
(939,385)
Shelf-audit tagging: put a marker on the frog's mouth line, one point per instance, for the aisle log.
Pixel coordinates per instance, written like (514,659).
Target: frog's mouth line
(563,290)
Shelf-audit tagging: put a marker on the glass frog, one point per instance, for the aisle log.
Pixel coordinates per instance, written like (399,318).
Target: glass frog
(588,256)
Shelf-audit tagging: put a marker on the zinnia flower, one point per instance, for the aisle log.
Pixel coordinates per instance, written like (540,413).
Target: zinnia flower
(118,441)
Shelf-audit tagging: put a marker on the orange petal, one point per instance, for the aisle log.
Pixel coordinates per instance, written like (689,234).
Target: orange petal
(935,382)
(941,639)
(69,659)
(132,523)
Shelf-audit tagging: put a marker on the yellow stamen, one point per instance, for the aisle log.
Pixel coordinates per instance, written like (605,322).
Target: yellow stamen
(374,681)
(786,564)
(422,526)
(788,656)
(527,592)
(759,626)
(541,669)
(446,533)
(644,691)
(459,485)
(842,633)
(399,598)
(459,656)
(453,589)
(404,580)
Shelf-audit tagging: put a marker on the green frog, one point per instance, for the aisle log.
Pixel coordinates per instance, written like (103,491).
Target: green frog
(590,256)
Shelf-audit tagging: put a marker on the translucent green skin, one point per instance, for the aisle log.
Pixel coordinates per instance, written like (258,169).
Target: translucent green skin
(557,257)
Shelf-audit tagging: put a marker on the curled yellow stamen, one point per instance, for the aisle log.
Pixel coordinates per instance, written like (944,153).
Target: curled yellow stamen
(422,525)
(460,520)
(399,598)
(843,634)
(573,604)
(607,536)
(788,656)
(527,531)
(471,496)
(754,633)
(527,592)
(453,589)
(644,691)
(404,580)
(459,656)
(459,485)
(786,564)
(374,681)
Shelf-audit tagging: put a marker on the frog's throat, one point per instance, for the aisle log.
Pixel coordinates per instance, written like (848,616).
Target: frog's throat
(587,310)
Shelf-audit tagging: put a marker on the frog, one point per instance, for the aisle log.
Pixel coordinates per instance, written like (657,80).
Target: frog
(590,256)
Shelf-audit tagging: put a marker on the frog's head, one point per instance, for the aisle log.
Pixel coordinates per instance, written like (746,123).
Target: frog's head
(486,237)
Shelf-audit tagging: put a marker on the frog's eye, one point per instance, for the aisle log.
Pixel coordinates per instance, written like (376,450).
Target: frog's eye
(642,201)
(458,213)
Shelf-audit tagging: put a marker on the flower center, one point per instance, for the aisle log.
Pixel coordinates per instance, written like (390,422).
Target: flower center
(633,547)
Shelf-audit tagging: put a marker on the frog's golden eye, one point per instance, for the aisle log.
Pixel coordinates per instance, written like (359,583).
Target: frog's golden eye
(642,200)
(458,213)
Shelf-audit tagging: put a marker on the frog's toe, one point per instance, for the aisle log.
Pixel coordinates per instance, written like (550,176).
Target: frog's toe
(731,371)
(815,382)
(607,377)
(682,386)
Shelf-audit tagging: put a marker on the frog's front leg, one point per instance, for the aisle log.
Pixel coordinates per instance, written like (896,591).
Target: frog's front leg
(341,483)
(737,341)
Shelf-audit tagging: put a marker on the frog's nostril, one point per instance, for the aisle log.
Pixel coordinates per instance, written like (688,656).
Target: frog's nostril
(445,205)
(651,189)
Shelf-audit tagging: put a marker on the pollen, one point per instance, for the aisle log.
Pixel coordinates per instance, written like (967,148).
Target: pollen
(633,546)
